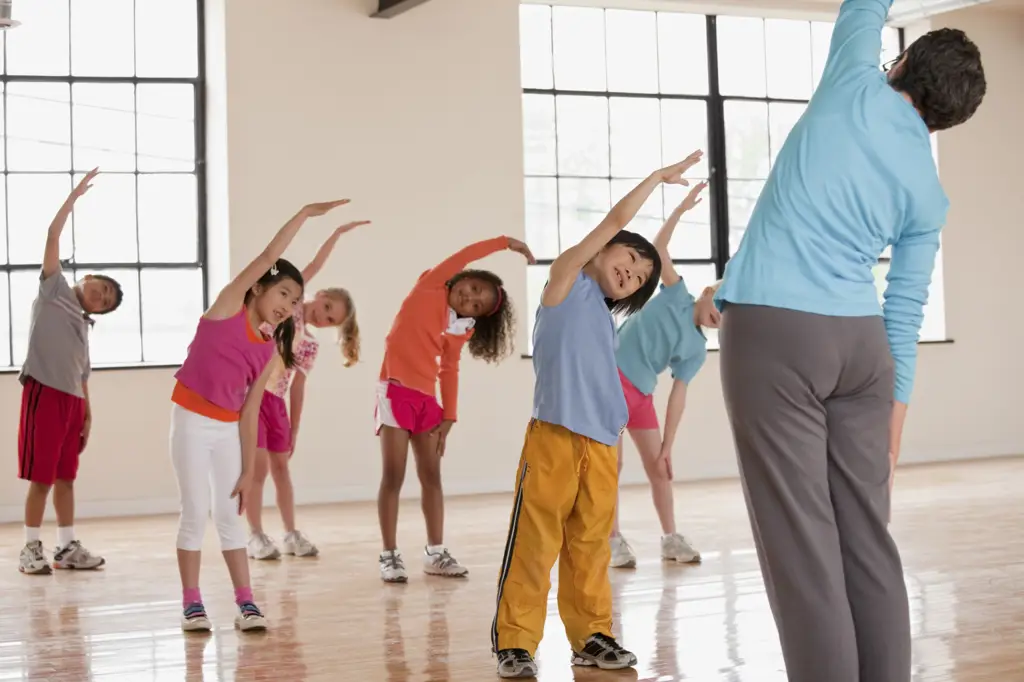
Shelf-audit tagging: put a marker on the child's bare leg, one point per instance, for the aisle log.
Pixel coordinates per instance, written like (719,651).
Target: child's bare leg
(428,467)
(254,504)
(648,443)
(285,489)
(35,504)
(394,449)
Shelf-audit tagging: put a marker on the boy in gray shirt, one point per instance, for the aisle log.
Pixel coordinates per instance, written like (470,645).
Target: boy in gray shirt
(55,415)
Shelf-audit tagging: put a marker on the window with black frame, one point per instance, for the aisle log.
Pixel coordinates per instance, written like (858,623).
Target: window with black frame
(610,95)
(119,88)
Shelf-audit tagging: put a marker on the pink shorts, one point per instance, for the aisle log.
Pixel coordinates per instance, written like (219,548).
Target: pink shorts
(641,406)
(275,430)
(405,408)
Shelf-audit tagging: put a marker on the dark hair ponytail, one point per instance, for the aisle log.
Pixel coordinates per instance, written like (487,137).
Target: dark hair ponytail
(284,333)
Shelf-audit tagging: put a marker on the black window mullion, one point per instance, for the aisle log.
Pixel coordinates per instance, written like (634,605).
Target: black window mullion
(717,170)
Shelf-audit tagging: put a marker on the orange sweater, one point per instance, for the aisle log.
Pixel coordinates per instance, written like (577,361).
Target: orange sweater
(417,337)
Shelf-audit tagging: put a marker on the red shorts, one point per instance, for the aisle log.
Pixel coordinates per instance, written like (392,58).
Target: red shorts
(406,408)
(49,434)
(275,429)
(641,406)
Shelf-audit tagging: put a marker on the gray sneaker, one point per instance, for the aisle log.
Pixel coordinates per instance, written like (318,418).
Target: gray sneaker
(297,544)
(76,557)
(32,560)
(605,653)
(516,663)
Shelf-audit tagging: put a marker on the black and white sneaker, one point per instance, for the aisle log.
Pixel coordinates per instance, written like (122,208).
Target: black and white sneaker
(516,663)
(604,652)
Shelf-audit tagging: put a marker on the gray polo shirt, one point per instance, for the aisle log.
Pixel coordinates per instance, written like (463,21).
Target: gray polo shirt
(58,340)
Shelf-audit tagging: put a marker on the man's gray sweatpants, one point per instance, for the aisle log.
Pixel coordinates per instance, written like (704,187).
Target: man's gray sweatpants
(810,398)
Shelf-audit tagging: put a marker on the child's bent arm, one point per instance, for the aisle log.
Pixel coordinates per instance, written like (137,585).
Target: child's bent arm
(231,297)
(448,377)
(453,264)
(51,252)
(324,252)
(674,412)
(669,276)
(248,423)
(568,265)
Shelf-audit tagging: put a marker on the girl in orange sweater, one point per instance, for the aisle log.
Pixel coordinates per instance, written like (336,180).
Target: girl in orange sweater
(448,308)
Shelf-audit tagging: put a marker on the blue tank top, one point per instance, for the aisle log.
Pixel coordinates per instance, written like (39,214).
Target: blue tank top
(576,379)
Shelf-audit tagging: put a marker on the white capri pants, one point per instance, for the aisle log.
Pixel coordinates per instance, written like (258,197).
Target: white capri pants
(207,459)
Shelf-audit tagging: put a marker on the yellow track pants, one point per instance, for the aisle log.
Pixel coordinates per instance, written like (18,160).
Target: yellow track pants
(564,507)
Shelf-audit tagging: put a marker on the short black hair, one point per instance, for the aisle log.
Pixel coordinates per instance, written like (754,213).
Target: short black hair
(942,74)
(634,302)
(118,293)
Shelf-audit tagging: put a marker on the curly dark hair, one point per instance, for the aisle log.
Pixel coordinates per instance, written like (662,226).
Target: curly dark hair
(942,74)
(284,333)
(634,302)
(493,336)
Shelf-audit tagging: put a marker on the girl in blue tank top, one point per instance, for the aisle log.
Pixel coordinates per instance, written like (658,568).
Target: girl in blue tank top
(568,475)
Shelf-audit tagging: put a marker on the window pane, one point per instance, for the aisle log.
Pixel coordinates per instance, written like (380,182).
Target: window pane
(105,221)
(821,38)
(781,119)
(697,277)
(632,44)
(746,140)
(684,128)
(104,126)
(582,204)
(102,42)
(3,239)
(3,117)
(38,126)
(582,135)
(542,216)
(741,63)
(649,218)
(172,303)
(168,218)
(788,47)
(166,127)
(116,338)
(24,286)
(165,39)
(32,201)
(539,134)
(535,46)
(579,48)
(39,47)
(536,278)
(692,236)
(683,53)
(5,322)
(635,136)
(743,196)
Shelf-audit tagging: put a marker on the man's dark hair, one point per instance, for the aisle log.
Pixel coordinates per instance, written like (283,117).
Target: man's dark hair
(941,72)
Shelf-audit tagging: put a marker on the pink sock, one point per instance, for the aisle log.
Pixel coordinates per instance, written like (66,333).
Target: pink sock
(242,595)
(190,595)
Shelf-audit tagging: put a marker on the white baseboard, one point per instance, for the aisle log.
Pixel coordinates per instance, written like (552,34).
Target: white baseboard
(12,513)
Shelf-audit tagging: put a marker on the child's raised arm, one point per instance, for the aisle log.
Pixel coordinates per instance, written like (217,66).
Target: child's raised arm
(455,263)
(669,276)
(231,297)
(324,252)
(567,266)
(51,253)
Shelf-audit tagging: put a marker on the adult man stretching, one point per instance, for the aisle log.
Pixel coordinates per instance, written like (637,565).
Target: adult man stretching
(810,361)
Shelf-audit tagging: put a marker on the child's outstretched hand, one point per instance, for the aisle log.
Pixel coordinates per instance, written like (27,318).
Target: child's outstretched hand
(673,175)
(314,210)
(85,184)
(348,227)
(693,197)
(521,247)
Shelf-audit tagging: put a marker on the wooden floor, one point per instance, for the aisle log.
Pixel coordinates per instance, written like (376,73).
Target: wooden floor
(959,527)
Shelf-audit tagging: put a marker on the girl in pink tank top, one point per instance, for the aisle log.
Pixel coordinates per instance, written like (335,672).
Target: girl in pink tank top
(216,412)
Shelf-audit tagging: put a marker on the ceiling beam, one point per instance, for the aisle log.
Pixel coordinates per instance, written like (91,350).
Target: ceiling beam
(392,8)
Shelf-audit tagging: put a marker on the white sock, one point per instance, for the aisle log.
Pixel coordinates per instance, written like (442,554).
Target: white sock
(31,534)
(65,536)
(435,549)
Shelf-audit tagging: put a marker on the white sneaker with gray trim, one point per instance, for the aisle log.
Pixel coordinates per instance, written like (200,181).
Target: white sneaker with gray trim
(622,553)
(297,544)
(33,560)
(261,547)
(443,563)
(392,568)
(675,547)
(76,557)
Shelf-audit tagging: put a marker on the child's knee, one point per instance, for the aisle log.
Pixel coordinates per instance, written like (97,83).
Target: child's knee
(392,478)
(39,489)
(429,475)
(279,467)
(230,528)
(191,528)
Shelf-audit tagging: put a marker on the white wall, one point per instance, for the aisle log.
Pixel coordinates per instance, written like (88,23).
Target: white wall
(417,120)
